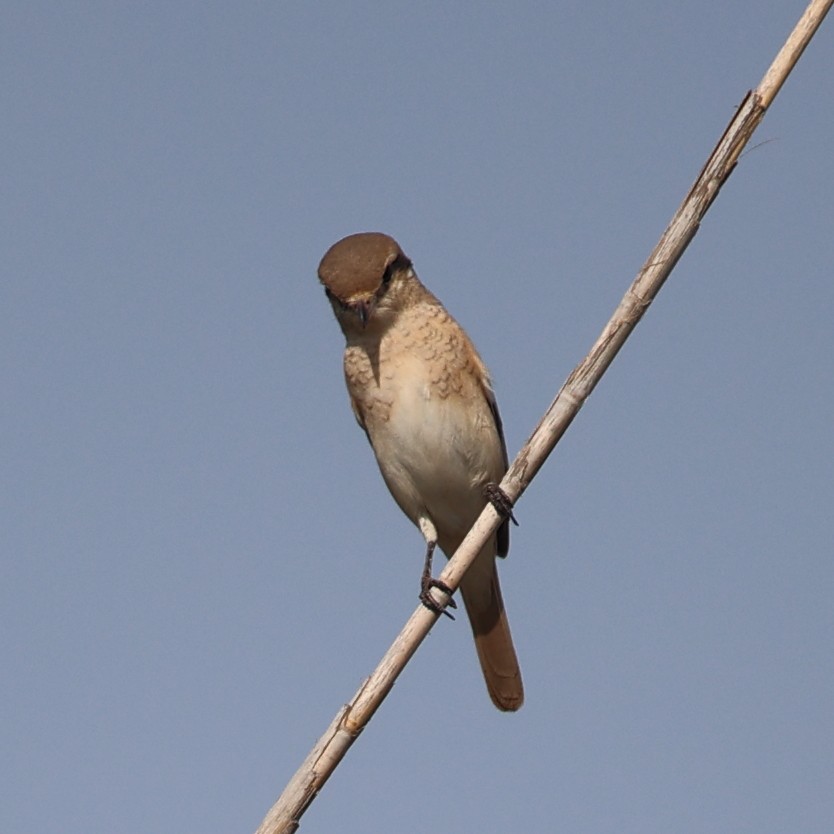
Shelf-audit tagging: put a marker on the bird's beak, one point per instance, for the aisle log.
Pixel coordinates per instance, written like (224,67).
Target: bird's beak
(363,308)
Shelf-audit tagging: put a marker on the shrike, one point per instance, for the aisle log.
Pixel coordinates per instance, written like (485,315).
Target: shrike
(425,401)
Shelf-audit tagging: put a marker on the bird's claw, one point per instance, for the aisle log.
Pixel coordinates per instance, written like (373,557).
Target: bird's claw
(430,602)
(500,500)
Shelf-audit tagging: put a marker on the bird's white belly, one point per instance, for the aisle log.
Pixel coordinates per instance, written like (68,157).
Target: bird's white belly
(436,455)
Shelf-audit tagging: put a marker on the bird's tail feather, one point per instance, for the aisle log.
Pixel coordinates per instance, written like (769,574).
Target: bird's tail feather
(481,594)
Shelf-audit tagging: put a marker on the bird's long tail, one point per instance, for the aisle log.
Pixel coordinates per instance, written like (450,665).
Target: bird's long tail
(481,594)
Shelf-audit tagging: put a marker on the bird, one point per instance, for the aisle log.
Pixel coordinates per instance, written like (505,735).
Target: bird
(424,398)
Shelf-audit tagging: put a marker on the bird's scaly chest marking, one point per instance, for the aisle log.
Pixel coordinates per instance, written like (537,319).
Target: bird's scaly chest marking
(410,368)
(416,392)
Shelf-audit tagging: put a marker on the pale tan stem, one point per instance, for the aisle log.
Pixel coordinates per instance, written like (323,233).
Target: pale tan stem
(351,719)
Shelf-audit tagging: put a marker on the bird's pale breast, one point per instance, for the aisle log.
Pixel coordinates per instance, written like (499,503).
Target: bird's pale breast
(428,419)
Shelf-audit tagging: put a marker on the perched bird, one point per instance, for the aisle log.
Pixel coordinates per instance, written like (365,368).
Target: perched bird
(424,399)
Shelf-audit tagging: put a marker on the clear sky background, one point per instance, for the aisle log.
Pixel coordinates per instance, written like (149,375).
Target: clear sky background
(200,562)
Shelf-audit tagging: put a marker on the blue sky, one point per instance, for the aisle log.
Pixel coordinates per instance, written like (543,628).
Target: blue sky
(200,561)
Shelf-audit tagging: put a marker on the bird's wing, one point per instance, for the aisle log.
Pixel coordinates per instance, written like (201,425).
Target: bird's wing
(503,534)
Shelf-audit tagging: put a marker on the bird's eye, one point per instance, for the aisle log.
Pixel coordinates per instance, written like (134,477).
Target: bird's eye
(388,274)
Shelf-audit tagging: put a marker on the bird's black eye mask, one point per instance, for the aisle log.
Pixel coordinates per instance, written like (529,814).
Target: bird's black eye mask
(399,264)
(331,296)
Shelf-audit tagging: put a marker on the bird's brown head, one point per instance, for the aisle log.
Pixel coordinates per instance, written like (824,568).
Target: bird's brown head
(360,273)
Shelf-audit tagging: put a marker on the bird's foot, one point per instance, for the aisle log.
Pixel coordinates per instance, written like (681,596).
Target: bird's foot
(500,500)
(430,602)
(427,583)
